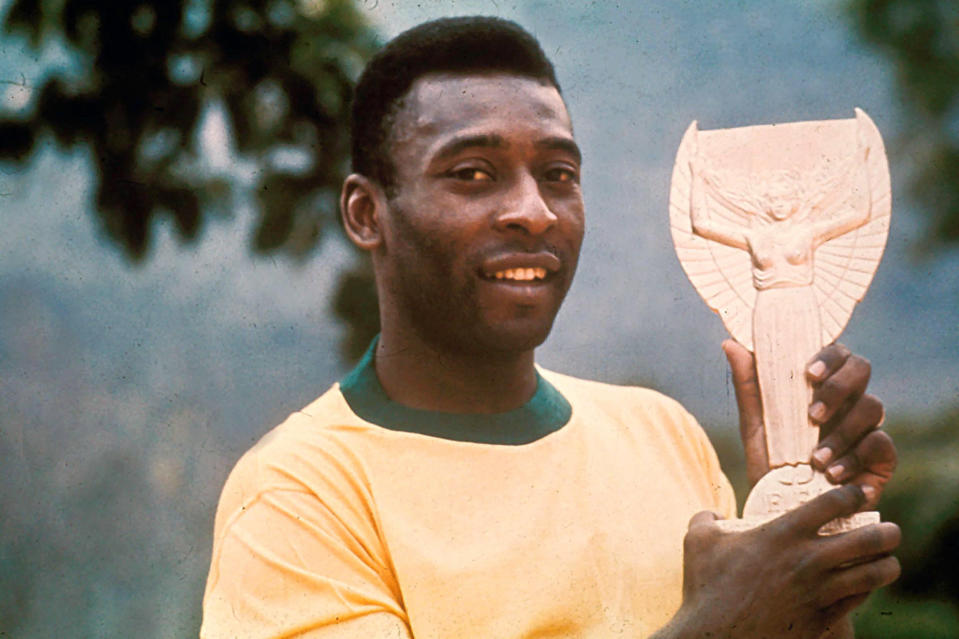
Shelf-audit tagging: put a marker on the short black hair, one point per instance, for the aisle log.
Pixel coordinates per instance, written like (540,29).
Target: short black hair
(448,45)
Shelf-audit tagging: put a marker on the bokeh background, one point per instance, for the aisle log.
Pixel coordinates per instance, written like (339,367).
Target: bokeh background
(173,281)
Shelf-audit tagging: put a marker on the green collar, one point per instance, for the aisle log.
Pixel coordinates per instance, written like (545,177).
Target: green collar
(546,412)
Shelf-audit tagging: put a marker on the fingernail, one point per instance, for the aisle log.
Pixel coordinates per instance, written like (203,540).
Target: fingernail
(817,368)
(835,471)
(817,411)
(822,455)
(868,491)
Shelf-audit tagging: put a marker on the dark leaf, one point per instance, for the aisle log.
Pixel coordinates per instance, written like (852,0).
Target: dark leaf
(16,141)
(921,38)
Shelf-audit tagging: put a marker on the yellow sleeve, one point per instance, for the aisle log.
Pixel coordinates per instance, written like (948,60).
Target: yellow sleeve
(722,490)
(692,442)
(289,564)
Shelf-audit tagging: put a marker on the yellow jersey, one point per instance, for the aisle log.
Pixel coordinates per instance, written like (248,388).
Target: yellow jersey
(337,526)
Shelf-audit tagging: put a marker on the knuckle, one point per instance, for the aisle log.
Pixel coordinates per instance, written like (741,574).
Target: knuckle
(892,456)
(843,435)
(808,565)
(873,540)
(861,365)
(883,438)
(783,526)
(842,352)
(831,356)
(872,409)
(830,387)
(880,440)
(853,463)
(878,449)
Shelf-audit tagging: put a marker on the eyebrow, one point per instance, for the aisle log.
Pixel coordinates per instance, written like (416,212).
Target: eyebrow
(460,143)
(494,141)
(561,144)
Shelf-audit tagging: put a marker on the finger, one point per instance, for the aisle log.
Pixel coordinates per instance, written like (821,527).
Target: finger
(874,454)
(742,365)
(858,580)
(701,535)
(833,615)
(846,383)
(843,434)
(871,467)
(826,362)
(857,546)
(811,516)
(704,518)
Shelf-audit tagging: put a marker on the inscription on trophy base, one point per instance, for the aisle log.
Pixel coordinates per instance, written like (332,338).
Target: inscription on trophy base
(786,488)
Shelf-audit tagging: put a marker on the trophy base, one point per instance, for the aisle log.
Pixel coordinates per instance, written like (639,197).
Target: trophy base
(785,488)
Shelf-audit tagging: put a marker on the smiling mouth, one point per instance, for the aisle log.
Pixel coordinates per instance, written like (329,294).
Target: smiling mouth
(521,268)
(534,274)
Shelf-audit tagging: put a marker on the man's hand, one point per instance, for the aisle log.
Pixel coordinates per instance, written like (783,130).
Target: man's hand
(851,448)
(781,579)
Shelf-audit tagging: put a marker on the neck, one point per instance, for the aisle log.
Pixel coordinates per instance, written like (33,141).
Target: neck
(420,375)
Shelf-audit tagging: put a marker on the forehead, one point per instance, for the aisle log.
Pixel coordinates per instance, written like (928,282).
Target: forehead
(442,106)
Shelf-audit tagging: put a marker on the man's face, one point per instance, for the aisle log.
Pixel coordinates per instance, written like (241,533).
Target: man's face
(481,238)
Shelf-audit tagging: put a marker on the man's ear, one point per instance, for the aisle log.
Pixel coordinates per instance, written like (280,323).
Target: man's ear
(362,204)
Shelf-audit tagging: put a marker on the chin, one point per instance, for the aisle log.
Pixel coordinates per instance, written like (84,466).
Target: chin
(484,328)
(515,337)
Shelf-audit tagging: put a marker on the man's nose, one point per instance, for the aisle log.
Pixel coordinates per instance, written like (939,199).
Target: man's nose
(525,209)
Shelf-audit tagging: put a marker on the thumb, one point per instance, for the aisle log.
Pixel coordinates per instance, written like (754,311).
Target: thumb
(703,518)
(742,365)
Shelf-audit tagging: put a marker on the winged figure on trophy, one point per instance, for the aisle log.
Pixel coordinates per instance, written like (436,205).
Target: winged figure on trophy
(780,228)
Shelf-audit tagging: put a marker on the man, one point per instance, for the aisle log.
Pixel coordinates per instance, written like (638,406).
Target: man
(447,487)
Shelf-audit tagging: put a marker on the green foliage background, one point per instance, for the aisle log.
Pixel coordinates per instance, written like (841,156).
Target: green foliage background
(921,39)
(283,71)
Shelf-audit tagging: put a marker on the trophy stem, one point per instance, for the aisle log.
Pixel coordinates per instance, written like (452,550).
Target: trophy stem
(786,335)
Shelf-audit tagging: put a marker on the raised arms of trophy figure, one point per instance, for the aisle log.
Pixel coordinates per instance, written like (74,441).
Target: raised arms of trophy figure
(780,229)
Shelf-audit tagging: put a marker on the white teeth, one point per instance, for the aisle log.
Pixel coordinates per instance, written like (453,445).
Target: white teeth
(521,274)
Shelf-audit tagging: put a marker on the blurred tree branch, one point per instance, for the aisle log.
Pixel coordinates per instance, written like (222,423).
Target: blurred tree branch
(278,75)
(921,38)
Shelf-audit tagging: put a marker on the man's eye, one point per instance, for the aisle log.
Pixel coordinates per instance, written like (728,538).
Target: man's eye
(471,175)
(560,174)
